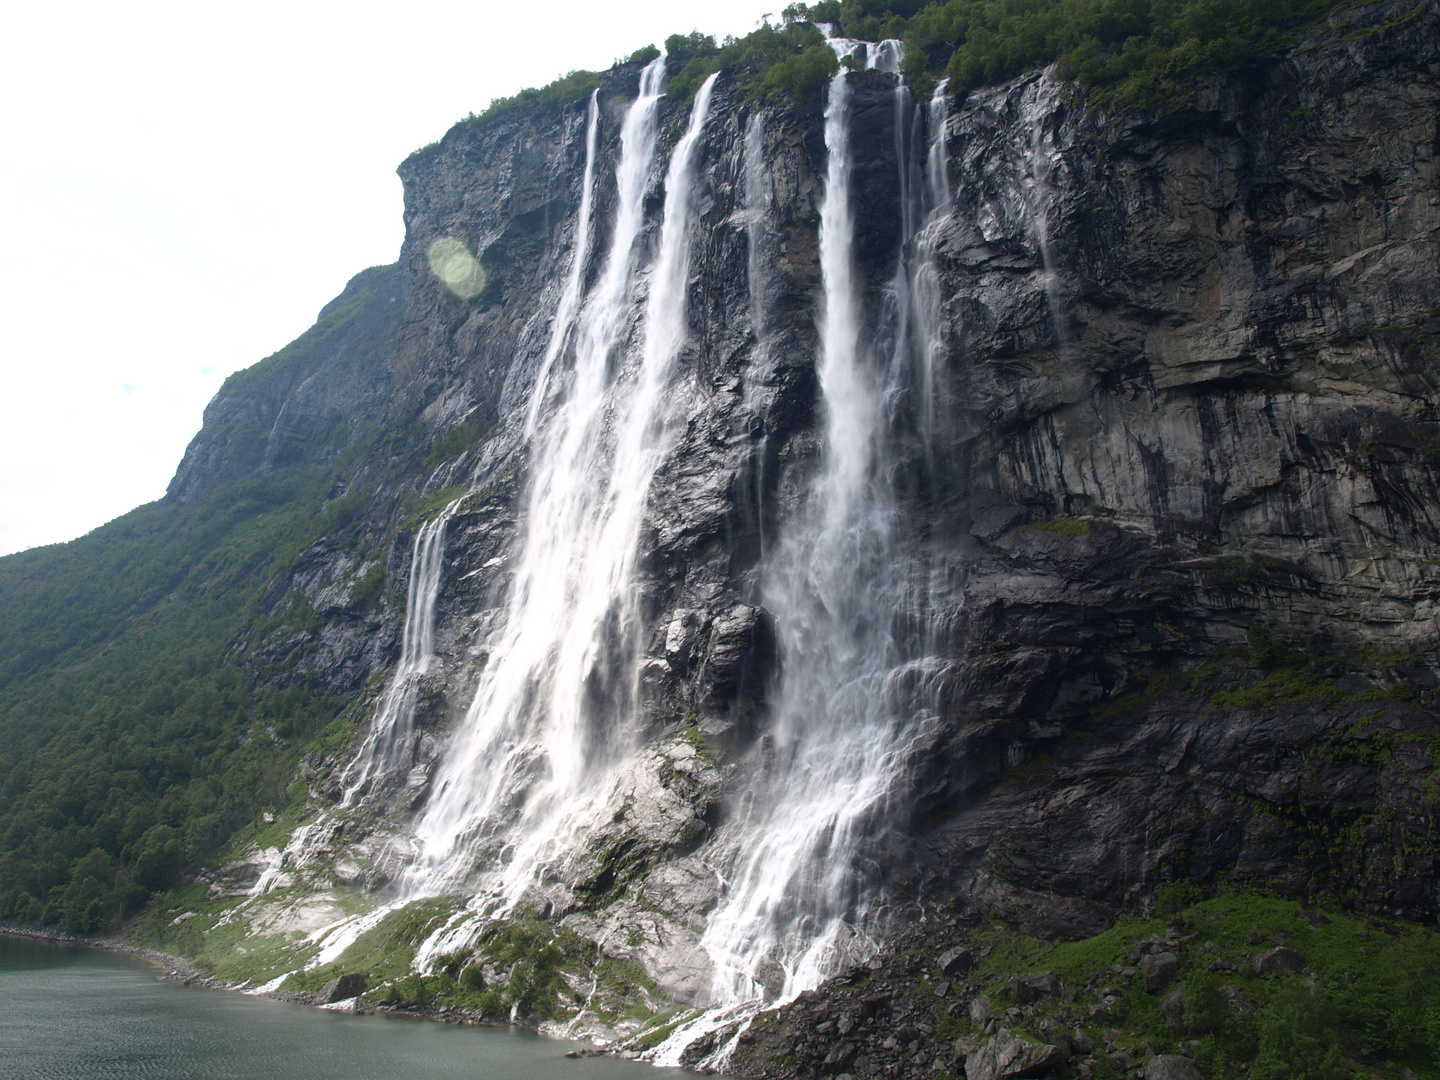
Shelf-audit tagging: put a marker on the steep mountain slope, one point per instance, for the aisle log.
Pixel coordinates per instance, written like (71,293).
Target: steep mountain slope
(736,532)
(130,731)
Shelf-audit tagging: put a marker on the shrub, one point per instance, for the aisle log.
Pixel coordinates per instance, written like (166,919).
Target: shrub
(1131,52)
(1296,1034)
(1205,1008)
(472,978)
(1176,896)
(572,87)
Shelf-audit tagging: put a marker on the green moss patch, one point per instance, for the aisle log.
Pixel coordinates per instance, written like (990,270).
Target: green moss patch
(1367,1000)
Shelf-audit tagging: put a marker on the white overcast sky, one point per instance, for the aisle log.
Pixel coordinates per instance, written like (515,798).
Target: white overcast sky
(185,185)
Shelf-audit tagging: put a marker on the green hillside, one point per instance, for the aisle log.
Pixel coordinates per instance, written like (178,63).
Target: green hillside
(134,742)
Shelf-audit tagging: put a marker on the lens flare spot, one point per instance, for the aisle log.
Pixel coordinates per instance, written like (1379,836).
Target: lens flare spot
(461,272)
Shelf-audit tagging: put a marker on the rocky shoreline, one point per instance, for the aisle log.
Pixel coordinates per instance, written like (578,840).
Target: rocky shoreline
(1183,994)
(344,990)
(172,967)
(178,969)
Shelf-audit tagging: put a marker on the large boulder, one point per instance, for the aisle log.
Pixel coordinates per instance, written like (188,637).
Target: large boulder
(1159,969)
(1171,1067)
(344,988)
(956,961)
(1027,988)
(1279,961)
(1006,1056)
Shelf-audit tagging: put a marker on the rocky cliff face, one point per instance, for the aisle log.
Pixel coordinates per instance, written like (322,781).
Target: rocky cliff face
(1171,494)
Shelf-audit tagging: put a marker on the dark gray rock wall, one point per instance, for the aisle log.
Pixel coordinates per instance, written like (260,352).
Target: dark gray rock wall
(325,391)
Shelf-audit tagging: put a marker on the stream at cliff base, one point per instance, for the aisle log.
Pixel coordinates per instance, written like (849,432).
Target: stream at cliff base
(70,1012)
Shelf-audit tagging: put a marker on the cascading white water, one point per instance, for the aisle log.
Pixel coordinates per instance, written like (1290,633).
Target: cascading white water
(895,321)
(551,725)
(388,740)
(763,252)
(526,767)
(387,746)
(853,698)
(570,297)
(928,296)
(1038,191)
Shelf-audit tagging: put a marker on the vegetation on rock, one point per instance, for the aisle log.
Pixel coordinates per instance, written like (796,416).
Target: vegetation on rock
(1123,52)
(152,698)
(1239,983)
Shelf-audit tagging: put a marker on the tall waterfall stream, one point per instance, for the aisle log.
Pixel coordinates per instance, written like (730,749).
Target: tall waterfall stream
(537,757)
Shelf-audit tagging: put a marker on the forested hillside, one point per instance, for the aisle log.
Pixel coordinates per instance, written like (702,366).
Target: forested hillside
(138,734)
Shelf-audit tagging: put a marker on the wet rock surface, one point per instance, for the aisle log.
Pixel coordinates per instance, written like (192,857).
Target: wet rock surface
(345,987)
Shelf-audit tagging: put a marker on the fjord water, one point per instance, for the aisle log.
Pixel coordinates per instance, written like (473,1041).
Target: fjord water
(80,1013)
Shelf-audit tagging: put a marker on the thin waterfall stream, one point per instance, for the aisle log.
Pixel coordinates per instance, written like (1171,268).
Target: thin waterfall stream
(387,745)
(570,298)
(1037,188)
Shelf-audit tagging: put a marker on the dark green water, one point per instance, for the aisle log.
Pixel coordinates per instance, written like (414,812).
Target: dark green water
(77,1013)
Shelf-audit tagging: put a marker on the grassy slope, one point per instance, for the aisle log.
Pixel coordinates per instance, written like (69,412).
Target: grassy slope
(1368,1001)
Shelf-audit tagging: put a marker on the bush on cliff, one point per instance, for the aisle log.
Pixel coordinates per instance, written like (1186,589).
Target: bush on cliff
(1118,49)
(1129,52)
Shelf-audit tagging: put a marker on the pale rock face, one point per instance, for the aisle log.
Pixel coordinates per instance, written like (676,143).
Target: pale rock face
(291,915)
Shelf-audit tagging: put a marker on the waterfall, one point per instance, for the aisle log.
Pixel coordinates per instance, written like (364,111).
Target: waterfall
(1038,191)
(570,297)
(533,769)
(762,252)
(553,716)
(798,901)
(894,331)
(937,158)
(759,232)
(387,746)
(928,298)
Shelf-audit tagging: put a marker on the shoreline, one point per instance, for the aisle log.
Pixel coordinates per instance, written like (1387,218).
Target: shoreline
(173,968)
(178,969)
